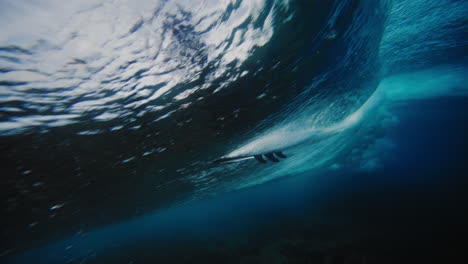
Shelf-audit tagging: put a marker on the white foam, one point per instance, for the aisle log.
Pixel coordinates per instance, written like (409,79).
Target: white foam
(295,132)
(443,80)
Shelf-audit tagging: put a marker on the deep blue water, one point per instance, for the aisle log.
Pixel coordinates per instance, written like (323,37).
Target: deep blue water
(111,115)
(410,209)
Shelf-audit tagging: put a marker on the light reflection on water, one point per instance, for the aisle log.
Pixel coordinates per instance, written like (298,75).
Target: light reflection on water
(63,63)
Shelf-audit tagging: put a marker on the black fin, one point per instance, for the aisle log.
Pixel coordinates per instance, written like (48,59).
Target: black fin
(260,159)
(271,157)
(280,155)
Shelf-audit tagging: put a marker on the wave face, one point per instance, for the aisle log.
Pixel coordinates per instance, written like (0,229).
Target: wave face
(111,110)
(113,65)
(424,34)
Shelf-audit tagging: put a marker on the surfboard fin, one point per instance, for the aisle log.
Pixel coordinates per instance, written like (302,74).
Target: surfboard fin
(260,159)
(280,154)
(271,157)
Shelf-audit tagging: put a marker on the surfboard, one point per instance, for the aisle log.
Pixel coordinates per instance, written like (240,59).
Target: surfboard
(261,158)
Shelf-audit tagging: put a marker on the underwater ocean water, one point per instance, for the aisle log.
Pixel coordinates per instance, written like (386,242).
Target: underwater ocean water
(222,131)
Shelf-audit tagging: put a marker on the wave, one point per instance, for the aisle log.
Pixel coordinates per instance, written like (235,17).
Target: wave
(422,34)
(129,104)
(134,81)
